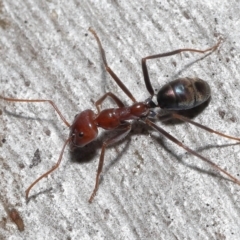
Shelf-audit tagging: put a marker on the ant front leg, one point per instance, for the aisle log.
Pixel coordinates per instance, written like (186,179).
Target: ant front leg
(126,128)
(65,144)
(38,101)
(49,171)
(144,65)
(99,102)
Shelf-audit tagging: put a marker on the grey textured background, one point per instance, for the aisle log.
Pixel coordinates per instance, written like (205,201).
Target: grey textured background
(151,188)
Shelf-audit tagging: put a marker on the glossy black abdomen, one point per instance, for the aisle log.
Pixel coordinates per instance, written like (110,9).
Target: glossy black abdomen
(183,93)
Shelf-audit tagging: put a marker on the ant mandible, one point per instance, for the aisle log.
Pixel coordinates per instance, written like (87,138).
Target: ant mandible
(180,94)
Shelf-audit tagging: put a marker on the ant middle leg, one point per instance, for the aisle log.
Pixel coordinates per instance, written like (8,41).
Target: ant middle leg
(99,102)
(144,64)
(109,70)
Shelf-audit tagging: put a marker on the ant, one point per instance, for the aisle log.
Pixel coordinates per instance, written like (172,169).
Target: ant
(180,94)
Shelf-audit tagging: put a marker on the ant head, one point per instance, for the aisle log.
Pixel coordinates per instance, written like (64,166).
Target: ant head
(83,130)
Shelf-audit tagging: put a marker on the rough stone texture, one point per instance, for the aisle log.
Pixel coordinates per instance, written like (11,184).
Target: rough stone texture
(151,189)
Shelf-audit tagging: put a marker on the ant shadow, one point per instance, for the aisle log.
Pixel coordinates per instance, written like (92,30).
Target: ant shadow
(39,193)
(186,66)
(38,119)
(87,153)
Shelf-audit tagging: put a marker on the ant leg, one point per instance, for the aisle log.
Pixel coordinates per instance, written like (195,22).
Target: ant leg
(99,102)
(38,100)
(109,70)
(51,170)
(144,64)
(126,128)
(184,119)
(173,139)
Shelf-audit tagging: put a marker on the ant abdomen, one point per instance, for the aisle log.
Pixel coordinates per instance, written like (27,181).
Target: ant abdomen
(183,93)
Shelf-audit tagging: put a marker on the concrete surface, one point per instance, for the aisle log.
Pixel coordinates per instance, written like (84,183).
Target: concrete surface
(151,189)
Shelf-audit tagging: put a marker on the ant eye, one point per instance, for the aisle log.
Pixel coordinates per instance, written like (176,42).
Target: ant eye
(81,134)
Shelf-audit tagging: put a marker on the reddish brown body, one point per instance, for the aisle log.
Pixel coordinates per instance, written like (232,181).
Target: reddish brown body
(85,126)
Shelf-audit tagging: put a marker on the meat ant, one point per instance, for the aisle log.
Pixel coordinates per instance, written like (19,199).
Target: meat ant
(180,94)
